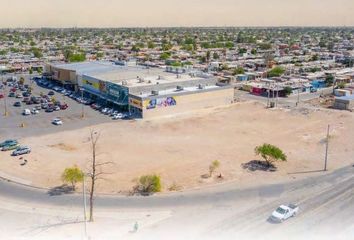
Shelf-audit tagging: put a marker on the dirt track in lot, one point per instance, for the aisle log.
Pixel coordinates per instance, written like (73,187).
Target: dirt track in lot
(181,148)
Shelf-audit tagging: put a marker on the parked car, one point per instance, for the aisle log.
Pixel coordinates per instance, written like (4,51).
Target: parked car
(7,142)
(57,121)
(284,212)
(17,104)
(56,108)
(12,94)
(10,146)
(21,151)
(49,109)
(26,112)
(64,106)
(51,93)
(26,94)
(118,116)
(34,111)
(1,96)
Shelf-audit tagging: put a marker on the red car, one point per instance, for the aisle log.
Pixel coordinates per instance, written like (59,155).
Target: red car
(1,96)
(64,106)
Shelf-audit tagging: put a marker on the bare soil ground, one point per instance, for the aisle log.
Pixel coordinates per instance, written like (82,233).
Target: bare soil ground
(180,149)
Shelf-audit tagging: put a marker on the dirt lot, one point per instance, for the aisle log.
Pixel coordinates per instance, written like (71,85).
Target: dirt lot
(180,149)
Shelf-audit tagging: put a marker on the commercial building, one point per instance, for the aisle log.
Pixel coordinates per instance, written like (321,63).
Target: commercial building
(148,92)
(344,103)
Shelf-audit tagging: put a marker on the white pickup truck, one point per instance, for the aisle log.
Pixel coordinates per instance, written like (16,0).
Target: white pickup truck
(284,212)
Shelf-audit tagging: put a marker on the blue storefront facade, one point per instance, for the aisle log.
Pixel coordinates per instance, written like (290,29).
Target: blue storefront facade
(106,92)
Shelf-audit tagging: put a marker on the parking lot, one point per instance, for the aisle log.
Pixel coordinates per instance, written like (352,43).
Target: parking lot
(17,125)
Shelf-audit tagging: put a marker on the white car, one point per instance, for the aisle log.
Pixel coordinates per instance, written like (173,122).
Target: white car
(118,116)
(26,112)
(284,212)
(34,111)
(57,121)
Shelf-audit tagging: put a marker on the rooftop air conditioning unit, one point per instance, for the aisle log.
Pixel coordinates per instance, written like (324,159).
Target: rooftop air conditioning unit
(179,88)
(200,86)
(124,83)
(154,92)
(140,80)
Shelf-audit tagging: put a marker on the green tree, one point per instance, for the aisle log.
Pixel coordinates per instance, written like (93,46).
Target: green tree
(229,45)
(276,72)
(213,166)
(215,55)
(77,57)
(151,45)
(72,175)
(149,183)
(165,55)
(242,51)
(265,46)
(288,90)
(239,70)
(270,153)
(341,85)
(329,80)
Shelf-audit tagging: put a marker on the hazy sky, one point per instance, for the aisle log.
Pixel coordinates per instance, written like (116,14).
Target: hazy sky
(160,13)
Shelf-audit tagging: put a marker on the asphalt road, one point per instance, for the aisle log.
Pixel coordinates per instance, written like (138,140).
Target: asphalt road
(226,211)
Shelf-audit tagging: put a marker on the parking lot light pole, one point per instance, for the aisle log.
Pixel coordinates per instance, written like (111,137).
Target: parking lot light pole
(5,99)
(82,105)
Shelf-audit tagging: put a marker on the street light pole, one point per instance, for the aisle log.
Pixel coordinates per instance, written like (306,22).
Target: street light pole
(5,97)
(84,199)
(326,156)
(82,105)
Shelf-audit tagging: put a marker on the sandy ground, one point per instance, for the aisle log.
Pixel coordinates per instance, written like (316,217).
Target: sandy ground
(180,149)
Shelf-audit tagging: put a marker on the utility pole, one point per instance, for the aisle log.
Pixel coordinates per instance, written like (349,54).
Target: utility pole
(268,90)
(84,199)
(326,156)
(82,105)
(276,102)
(298,95)
(5,97)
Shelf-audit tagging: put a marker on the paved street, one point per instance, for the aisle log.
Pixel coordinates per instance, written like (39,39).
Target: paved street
(224,212)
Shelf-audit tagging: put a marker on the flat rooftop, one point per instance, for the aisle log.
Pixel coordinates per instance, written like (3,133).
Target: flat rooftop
(174,91)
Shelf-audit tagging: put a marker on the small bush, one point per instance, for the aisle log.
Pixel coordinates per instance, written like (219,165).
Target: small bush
(149,184)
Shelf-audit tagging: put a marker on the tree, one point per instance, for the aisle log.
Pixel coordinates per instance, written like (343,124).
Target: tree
(165,56)
(30,71)
(239,70)
(95,173)
(270,153)
(22,80)
(276,72)
(149,183)
(207,56)
(341,85)
(242,51)
(254,51)
(215,55)
(151,45)
(78,57)
(329,80)
(288,90)
(213,166)
(72,175)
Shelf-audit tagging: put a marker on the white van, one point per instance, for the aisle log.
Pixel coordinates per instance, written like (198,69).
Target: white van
(26,112)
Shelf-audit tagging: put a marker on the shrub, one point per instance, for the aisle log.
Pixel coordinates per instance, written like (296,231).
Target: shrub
(149,184)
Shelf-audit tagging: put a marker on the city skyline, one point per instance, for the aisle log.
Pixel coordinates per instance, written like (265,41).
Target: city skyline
(173,13)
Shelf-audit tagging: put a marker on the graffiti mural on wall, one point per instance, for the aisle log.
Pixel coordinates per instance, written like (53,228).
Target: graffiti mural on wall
(161,102)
